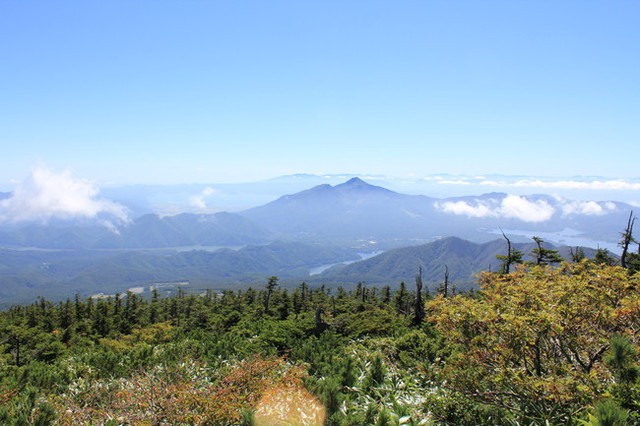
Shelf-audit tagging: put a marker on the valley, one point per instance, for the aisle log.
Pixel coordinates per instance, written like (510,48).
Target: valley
(326,235)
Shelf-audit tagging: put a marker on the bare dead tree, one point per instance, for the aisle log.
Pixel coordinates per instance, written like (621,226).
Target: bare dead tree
(445,284)
(627,238)
(578,255)
(512,256)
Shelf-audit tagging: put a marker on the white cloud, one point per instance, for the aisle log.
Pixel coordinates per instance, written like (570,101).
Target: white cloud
(519,207)
(198,201)
(454,182)
(516,207)
(617,184)
(613,184)
(46,194)
(465,209)
(512,206)
(491,183)
(589,208)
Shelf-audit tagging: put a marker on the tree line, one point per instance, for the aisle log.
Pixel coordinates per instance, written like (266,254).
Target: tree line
(540,342)
(539,345)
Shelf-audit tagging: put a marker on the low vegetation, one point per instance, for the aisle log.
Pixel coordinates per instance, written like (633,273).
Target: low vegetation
(539,345)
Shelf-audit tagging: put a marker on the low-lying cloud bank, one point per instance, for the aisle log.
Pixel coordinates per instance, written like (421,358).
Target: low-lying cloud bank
(593,184)
(45,195)
(512,207)
(617,184)
(526,210)
(589,208)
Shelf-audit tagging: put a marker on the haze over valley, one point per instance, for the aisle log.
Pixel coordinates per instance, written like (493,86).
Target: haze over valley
(61,235)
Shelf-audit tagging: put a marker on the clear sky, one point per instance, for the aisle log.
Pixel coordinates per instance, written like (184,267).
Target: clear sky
(220,91)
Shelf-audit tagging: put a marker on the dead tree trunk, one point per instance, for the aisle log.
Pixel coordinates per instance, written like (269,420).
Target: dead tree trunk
(418,308)
(627,238)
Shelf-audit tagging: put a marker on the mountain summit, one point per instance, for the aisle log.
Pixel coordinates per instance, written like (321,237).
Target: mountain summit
(351,210)
(358,185)
(356,181)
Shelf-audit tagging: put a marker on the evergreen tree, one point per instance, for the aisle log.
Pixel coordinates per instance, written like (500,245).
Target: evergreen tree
(154,315)
(604,257)
(284,305)
(66,314)
(386,294)
(272,283)
(543,255)
(418,308)
(401,300)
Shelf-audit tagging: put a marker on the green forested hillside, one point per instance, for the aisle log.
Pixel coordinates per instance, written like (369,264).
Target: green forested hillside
(57,274)
(461,259)
(25,275)
(540,345)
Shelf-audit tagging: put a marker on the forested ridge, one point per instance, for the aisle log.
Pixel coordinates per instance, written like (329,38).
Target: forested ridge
(537,345)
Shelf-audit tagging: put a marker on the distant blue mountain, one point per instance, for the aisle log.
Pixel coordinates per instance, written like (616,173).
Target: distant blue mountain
(353,213)
(356,210)
(352,210)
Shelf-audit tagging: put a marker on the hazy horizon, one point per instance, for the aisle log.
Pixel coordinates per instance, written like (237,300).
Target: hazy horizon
(59,194)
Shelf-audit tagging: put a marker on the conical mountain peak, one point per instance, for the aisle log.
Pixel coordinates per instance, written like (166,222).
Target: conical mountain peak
(355,181)
(359,184)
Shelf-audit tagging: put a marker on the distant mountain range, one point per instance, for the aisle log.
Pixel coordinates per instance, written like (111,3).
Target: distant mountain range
(358,211)
(233,197)
(319,227)
(353,213)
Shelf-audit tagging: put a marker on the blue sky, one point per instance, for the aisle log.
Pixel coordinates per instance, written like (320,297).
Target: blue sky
(223,91)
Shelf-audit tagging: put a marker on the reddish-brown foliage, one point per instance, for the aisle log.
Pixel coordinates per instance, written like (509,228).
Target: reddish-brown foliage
(187,393)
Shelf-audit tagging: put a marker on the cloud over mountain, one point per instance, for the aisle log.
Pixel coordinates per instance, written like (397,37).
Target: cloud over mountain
(524,208)
(614,184)
(507,182)
(511,206)
(46,194)
(583,183)
(589,208)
